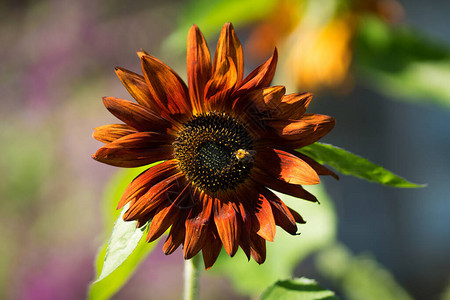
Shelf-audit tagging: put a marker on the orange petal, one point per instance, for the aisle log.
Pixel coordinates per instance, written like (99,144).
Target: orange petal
(281,213)
(135,115)
(263,222)
(142,183)
(164,217)
(198,67)
(144,219)
(197,226)
(309,129)
(166,87)
(293,106)
(141,53)
(321,170)
(226,220)
(263,102)
(109,133)
(285,166)
(137,87)
(258,248)
(244,199)
(165,191)
(176,235)
(222,83)
(261,77)
(244,241)
(297,217)
(211,250)
(135,150)
(229,46)
(282,186)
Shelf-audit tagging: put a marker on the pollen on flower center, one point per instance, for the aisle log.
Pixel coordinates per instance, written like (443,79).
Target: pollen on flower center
(214,156)
(206,149)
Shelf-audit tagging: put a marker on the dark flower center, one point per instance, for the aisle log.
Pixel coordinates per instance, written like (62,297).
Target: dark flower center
(214,151)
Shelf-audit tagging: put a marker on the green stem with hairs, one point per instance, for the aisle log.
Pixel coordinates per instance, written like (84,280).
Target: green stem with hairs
(191,278)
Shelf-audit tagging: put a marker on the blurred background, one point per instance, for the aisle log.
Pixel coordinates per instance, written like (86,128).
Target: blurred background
(381,68)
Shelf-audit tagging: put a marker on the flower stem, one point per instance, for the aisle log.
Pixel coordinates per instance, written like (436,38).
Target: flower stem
(191,277)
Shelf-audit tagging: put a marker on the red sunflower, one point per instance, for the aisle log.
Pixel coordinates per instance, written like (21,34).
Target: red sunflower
(224,141)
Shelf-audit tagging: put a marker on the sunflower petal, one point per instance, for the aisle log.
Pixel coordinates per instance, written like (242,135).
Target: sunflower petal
(226,220)
(244,203)
(282,186)
(162,220)
(142,183)
(263,222)
(229,46)
(135,115)
(144,219)
(293,106)
(244,240)
(141,53)
(166,190)
(309,129)
(166,87)
(164,217)
(281,213)
(298,218)
(222,83)
(109,133)
(137,87)
(261,77)
(135,150)
(321,170)
(211,250)
(285,166)
(198,67)
(263,102)
(258,248)
(176,235)
(197,226)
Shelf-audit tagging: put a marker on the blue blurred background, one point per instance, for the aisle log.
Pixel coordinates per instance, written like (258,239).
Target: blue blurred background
(58,60)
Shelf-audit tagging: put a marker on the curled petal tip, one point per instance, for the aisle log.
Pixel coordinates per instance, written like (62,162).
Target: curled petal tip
(141,53)
(106,99)
(275,53)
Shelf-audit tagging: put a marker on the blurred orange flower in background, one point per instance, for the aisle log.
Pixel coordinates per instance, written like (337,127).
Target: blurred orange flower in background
(316,39)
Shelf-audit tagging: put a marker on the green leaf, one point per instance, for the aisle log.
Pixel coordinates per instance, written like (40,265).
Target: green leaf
(403,63)
(111,196)
(350,164)
(126,249)
(358,277)
(124,239)
(287,251)
(113,192)
(297,289)
(118,259)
